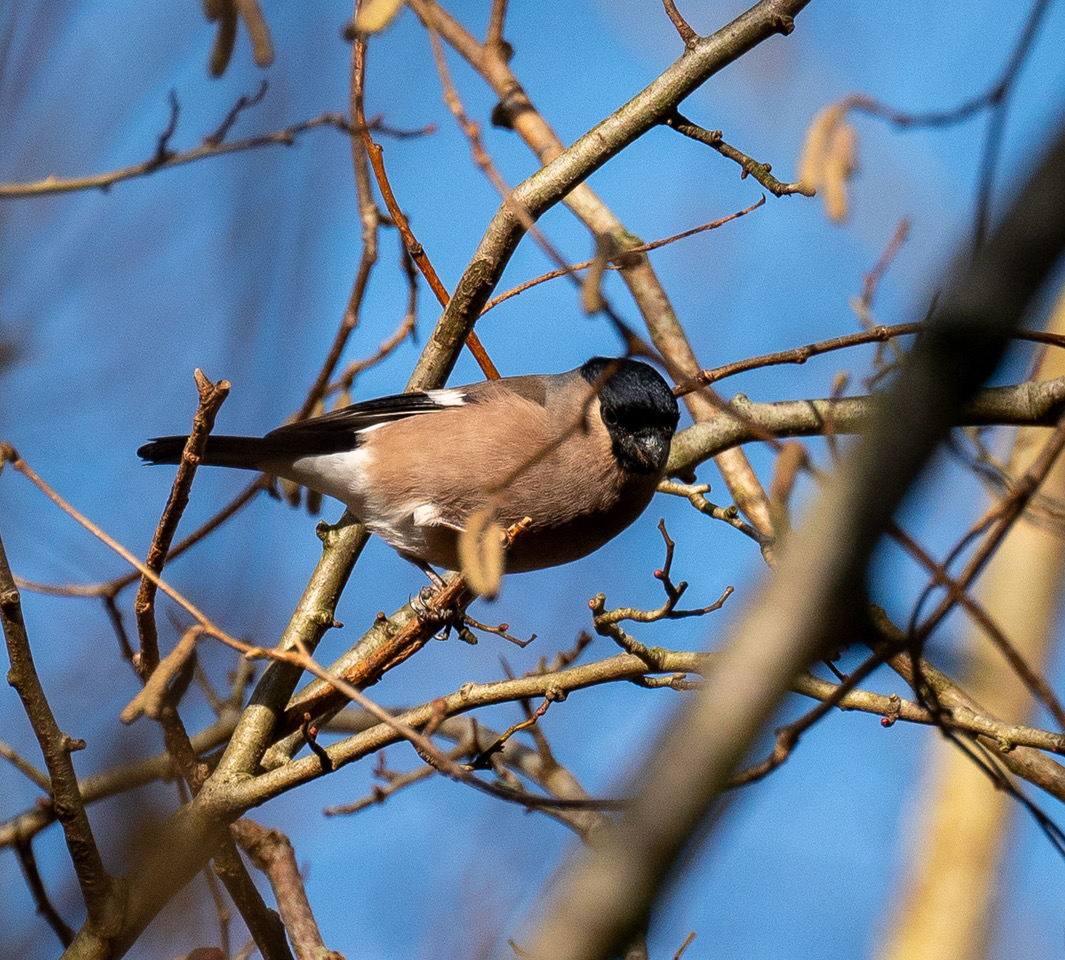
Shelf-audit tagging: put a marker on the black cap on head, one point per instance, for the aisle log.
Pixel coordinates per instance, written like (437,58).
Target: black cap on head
(638,409)
(634,390)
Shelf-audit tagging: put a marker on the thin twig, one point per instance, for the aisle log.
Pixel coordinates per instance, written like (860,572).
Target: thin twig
(104,181)
(414,248)
(1010,510)
(494,37)
(211,397)
(995,98)
(10,455)
(622,264)
(370,217)
(797,355)
(687,34)
(695,494)
(750,167)
(1035,683)
(28,770)
(45,907)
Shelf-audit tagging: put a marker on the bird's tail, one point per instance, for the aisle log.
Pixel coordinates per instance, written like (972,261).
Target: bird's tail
(247,453)
(267,453)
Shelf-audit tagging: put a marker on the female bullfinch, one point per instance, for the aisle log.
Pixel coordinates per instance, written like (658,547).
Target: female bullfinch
(580,453)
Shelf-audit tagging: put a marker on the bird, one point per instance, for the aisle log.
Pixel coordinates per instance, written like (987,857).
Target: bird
(579,453)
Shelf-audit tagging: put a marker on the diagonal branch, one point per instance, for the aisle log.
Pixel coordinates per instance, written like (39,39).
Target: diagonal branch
(98,888)
(515,110)
(750,167)
(816,597)
(573,166)
(212,396)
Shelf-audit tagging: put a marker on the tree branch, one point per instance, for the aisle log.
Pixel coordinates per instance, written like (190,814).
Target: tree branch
(1032,403)
(548,186)
(816,597)
(98,888)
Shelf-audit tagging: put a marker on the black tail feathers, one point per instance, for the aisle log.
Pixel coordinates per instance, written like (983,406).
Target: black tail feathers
(244,452)
(254,453)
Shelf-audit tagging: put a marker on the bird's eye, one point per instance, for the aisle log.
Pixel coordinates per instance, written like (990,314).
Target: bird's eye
(610,417)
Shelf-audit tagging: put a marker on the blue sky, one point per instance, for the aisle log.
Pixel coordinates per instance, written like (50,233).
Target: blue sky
(242,266)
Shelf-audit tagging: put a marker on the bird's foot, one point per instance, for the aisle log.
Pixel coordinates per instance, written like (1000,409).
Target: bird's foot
(428,615)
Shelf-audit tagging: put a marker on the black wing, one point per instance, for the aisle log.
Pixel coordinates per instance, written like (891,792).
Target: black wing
(370,413)
(333,432)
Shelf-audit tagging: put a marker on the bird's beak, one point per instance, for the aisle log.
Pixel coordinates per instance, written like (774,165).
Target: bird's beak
(653,450)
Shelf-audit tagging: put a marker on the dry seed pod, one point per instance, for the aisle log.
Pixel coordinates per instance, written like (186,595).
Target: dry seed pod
(829,158)
(481,552)
(375,15)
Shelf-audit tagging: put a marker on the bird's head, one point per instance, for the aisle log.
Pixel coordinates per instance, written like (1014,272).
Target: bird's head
(638,410)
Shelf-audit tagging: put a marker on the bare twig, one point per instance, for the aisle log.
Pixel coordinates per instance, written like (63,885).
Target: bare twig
(45,907)
(221,908)
(154,696)
(394,782)
(1011,507)
(607,622)
(623,265)
(129,776)
(97,886)
(212,395)
(684,946)
(9,454)
(687,34)
(494,37)
(414,248)
(695,494)
(750,167)
(310,737)
(995,99)
(104,181)
(27,769)
(370,217)
(244,102)
(1027,674)
(798,355)
(271,852)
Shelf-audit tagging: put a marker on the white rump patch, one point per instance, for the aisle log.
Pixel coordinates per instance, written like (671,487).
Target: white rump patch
(340,475)
(426,515)
(448,397)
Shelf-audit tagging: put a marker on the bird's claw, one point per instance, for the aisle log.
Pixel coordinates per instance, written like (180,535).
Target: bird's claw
(446,618)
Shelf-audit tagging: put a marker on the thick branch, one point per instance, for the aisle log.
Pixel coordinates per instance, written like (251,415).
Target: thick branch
(1032,403)
(665,328)
(816,595)
(550,185)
